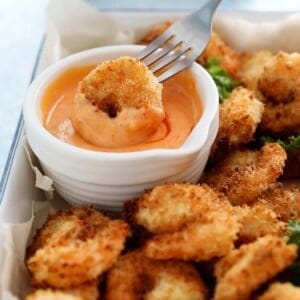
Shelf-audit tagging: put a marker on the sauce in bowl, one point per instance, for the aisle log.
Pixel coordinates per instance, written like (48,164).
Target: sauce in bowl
(181,102)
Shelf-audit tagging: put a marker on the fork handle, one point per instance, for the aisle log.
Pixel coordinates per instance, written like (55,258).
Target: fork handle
(205,12)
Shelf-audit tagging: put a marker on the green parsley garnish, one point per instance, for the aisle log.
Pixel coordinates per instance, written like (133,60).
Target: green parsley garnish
(293,232)
(223,81)
(293,271)
(292,143)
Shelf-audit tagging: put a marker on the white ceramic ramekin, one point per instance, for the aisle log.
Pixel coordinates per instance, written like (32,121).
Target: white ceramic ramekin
(104,179)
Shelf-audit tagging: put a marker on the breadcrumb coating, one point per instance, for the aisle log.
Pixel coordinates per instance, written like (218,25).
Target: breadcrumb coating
(281,291)
(239,116)
(136,277)
(280,79)
(229,59)
(49,294)
(281,119)
(243,175)
(87,291)
(200,240)
(258,221)
(78,248)
(183,218)
(243,270)
(251,67)
(280,85)
(119,103)
(282,200)
(169,207)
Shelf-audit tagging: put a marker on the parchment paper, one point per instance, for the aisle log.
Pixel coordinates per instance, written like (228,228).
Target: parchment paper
(73,26)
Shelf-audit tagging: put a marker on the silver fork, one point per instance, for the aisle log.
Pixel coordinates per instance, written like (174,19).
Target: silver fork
(179,46)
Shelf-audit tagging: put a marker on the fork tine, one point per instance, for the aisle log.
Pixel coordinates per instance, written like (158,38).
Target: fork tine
(180,65)
(154,45)
(167,60)
(156,56)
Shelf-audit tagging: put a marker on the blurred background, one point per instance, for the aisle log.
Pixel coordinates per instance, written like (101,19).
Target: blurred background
(22,29)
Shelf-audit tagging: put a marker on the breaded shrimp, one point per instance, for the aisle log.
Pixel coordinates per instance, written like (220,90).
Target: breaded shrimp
(136,277)
(280,85)
(87,291)
(156,31)
(185,217)
(119,103)
(243,270)
(75,247)
(257,221)
(251,68)
(281,291)
(282,200)
(239,117)
(281,119)
(200,240)
(169,207)
(280,79)
(217,48)
(244,175)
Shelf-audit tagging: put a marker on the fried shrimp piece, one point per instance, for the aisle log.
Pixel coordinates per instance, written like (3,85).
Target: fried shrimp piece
(243,270)
(75,247)
(229,59)
(257,221)
(280,79)
(169,207)
(280,84)
(281,119)
(200,240)
(282,200)
(119,103)
(239,117)
(243,175)
(251,68)
(281,291)
(156,31)
(184,218)
(87,291)
(136,277)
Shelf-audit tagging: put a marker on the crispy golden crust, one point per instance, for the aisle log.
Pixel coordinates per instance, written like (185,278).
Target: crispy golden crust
(239,117)
(280,85)
(280,79)
(200,240)
(137,277)
(49,294)
(229,58)
(244,175)
(168,207)
(251,68)
(283,201)
(119,103)
(87,291)
(281,291)
(281,119)
(88,245)
(157,30)
(257,221)
(243,270)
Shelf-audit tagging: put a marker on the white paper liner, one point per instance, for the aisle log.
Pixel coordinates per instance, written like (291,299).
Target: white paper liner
(73,26)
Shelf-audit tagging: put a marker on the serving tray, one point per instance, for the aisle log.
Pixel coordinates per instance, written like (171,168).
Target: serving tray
(17,186)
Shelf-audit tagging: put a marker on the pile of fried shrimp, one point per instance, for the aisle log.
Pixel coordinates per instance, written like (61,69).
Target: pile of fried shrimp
(224,238)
